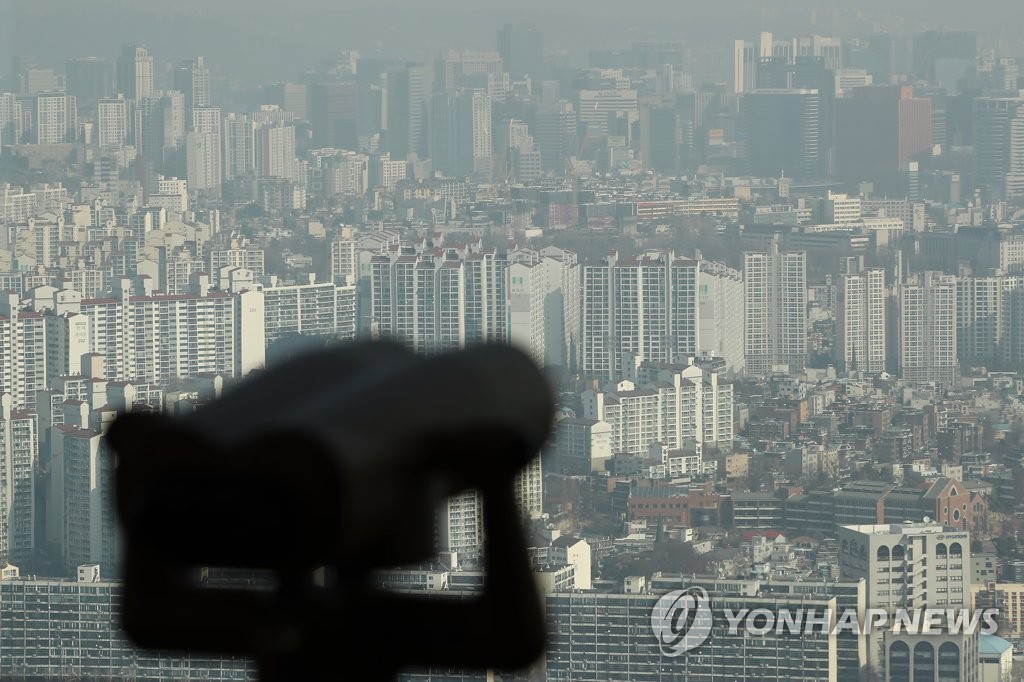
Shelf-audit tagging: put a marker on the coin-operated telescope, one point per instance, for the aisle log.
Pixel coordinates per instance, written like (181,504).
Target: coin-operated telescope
(319,473)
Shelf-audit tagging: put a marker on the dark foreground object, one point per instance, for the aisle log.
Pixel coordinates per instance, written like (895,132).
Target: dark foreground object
(320,472)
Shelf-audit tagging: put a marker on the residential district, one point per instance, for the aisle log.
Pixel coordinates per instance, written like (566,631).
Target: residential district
(784,314)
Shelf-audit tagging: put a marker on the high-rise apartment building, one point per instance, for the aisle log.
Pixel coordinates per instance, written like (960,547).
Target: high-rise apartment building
(775,292)
(19,445)
(161,337)
(112,117)
(860,341)
(38,613)
(927,318)
(324,309)
(990,320)
(239,146)
(440,300)
(635,310)
(720,302)
(677,406)
(51,118)
(135,73)
(275,152)
(543,304)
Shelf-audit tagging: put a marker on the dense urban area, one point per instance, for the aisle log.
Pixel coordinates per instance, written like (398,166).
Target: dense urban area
(783,312)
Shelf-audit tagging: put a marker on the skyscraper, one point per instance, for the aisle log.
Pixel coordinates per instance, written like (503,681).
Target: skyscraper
(879,129)
(782,133)
(407,100)
(522,50)
(775,286)
(89,79)
(135,72)
(999,147)
(239,146)
(927,313)
(945,58)
(333,113)
(860,322)
(192,78)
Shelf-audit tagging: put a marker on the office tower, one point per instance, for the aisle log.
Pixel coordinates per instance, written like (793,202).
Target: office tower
(990,320)
(135,73)
(879,129)
(51,118)
(635,310)
(34,80)
(775,290)
(746,57)
(660,137)
(945,58)
(333,114)
(927,315)
(239,146)
(617,644)
(192,79)
(554,133)
(930,565)
(814,73)
(454,70)
(594,108)
(275,152)
(89,79)
(860,322)
(291,97)
(720,303)
(678,405)
(475,149)
(782,133)
(112,117)
(19,444)
(435,302)
(39,612)
(522,50)
(406,120)
(999,147)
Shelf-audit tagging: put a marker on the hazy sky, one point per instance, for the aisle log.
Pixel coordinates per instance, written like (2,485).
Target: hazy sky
(270,39)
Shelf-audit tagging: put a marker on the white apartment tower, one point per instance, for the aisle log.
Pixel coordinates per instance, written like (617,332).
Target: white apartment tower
(51,118)
(860,322)
(775,286)
(990,319)
(113,121)
(927,314)
(239,146)
(19,446)
(720,302)
(634,310)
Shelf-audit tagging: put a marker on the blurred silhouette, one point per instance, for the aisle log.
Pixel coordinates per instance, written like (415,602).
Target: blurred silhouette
(320,472)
